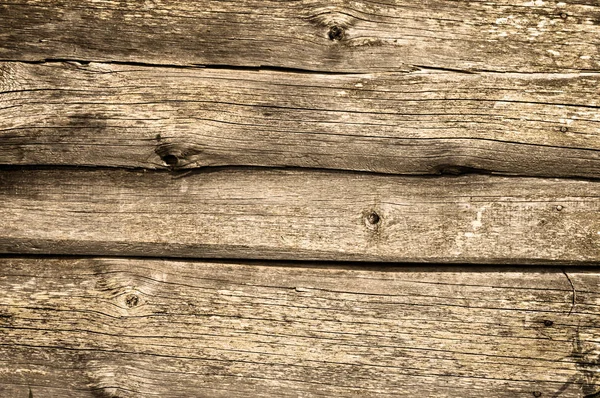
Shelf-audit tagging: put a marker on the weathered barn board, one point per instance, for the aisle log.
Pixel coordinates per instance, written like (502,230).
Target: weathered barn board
(417,123)
(300,214)
(154,97)
(502,35)
(137,328)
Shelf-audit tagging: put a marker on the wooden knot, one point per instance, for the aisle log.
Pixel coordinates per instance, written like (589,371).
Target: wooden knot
(175,155)
(170,160)
(335,20)
(336,33)
(132,300)
(373,218)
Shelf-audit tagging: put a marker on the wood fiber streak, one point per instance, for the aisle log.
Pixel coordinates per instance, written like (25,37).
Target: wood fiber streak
(417,123)
(144,328)
(339,35)
(303,215)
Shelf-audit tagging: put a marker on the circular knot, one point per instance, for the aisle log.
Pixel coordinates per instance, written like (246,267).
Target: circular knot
(336,33)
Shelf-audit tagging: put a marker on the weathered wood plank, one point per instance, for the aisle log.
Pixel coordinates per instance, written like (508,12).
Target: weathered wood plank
(309,215)
(139,328)
(503,35)
(418,123)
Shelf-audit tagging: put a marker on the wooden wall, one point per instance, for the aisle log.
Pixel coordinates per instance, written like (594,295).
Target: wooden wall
(300,198)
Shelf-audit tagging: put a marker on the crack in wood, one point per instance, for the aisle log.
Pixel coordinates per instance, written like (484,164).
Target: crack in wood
(574,292)
(410,69)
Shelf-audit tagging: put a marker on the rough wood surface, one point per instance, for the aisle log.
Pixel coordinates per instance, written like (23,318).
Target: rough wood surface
(340,35)
(417,123)
(307,215)
(145,328)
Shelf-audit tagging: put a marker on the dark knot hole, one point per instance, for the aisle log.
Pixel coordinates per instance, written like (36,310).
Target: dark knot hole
(373,218)
(170,160)
(132,301)
(336,33)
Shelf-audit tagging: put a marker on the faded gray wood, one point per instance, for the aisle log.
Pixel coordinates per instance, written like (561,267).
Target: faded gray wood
(417,123)
(142,328)
(364,36)
(304,215)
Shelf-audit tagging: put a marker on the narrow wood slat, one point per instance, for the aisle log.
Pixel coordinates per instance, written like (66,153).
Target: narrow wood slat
(418,123)
(142,328)
(503,35)
(308,215)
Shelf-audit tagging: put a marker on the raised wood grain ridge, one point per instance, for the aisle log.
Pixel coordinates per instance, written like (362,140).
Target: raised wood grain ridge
(417,123)
(148,328)
(340,35)
(304,215)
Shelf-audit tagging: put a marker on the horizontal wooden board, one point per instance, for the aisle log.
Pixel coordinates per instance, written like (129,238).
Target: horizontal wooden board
(143,328)
(417,123)
(364,36)
(306,215)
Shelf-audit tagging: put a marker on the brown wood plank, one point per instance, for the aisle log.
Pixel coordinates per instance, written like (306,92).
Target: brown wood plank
(305,215)
(417,123)
(142,328)
(364,36)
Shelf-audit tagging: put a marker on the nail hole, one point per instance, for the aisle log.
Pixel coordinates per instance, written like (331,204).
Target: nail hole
(548,323)
(373,218)
(170,160)
(563,15)
(564,129)
(537,394)
(559,208)
(132,300)
(336,33)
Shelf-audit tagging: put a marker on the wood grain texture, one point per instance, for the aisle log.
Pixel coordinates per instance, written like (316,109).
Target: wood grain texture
(143,328)
(340,35)
(417,123)
(303,215)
